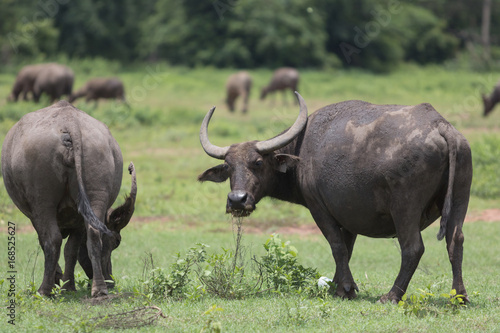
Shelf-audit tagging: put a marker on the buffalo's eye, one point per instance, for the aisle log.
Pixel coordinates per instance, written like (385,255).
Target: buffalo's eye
(226,166)
(258,163)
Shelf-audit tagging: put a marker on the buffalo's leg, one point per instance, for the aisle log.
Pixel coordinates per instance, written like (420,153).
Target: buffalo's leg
(454,234)
(346,287)
(349,240)
(70,257)
(454,242)
(94,246)
(84,260)
(50,240)
(244,95)
(412,249)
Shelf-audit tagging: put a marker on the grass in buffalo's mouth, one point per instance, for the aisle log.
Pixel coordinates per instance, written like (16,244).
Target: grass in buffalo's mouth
(239,212)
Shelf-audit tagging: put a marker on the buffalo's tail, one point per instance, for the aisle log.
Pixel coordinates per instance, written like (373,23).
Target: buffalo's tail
(83,203)
(452,163)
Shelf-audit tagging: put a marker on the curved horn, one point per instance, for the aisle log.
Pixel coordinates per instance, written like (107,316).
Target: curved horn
(119,218)
(282,140)
(211,150)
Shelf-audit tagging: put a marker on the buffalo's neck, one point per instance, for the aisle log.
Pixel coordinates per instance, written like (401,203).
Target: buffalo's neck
(286,186)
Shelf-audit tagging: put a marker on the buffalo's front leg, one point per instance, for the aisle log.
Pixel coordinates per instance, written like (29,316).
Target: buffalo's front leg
(70,258)
(94,246)
(341,250)
(412,249)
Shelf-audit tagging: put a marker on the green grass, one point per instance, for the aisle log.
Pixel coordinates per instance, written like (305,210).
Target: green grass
(174,211)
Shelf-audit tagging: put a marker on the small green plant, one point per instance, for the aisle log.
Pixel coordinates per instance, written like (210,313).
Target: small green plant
(173,284)
(281,270)
(455,301)
(81,281)
(224,274)
(58,291)
(211,325)
(426,303)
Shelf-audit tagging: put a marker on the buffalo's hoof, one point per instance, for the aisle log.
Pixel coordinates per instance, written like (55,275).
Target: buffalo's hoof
(346,291)
(99,293)
(45,292)
(390,297)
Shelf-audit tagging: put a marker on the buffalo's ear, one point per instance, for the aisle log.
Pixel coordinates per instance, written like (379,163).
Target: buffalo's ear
(217,174)
(284,162)
(120,217)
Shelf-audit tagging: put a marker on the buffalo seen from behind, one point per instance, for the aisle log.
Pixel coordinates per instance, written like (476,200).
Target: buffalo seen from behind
(63,170)
(283,79)
(361,169)
(238,84)
(97,88)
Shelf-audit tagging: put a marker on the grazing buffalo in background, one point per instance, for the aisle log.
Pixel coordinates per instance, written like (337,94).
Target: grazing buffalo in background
(361,169)
(489,102)
(25,82)
(238,84)
(283,79)
(100,88)
(55,80)
(63,170)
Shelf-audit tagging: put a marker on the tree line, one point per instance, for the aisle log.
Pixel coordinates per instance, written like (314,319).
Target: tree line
(372,34)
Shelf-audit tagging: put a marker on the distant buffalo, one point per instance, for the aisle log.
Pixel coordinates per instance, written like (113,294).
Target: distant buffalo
(63,170)
(283,79)
(25,81)
(361,169)
(55,80)
(94,89)
(238,84)
(489,102)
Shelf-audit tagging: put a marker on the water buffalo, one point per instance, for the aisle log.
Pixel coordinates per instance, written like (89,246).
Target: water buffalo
(489,102)
(283,79)
(361,169)
(238,84)
(63,170)
(25,81)
(100,88)
(55,80)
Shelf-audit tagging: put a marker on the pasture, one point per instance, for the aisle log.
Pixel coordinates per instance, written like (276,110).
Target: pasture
(174,212)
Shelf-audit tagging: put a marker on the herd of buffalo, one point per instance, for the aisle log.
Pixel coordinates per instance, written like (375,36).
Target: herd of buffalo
(56,80)
(360,168)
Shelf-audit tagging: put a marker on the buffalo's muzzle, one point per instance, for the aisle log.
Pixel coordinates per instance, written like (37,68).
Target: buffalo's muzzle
(239,203)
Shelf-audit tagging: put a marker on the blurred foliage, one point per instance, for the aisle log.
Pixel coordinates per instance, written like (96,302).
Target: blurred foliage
(486,166)
(373,34)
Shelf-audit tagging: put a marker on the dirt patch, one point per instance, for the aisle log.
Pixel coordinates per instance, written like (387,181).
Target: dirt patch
(487,215)
(280,226)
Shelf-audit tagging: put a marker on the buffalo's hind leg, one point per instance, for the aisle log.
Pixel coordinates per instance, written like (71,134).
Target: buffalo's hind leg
(455,236)
(50,240)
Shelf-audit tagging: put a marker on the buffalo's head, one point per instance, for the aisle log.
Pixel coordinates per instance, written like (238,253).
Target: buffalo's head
(250,166)
(116,220)
(263,93)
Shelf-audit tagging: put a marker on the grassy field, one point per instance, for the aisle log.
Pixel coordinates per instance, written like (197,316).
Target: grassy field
(174,212)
